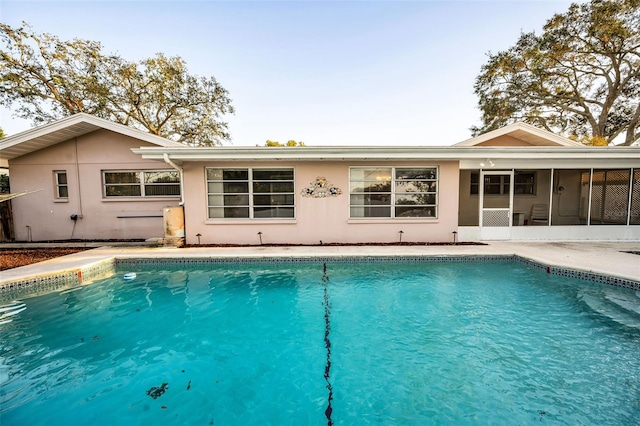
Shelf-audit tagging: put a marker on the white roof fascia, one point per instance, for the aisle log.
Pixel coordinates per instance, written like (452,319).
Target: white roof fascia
(372,153)
(552,137)
(68,122)
(585,162)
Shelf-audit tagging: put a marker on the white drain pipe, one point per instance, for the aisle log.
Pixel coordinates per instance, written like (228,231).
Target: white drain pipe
(170,162)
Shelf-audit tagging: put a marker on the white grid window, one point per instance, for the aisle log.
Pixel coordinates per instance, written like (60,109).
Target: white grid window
(141,183)
(393,192)
(61,184)
(250,193)
(524,184)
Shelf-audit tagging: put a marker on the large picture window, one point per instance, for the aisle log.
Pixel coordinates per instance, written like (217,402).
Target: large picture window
(141,183)
(251,193)
(393,192)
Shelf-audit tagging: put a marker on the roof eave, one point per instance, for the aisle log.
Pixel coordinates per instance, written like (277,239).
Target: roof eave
(451,153)
(18,144)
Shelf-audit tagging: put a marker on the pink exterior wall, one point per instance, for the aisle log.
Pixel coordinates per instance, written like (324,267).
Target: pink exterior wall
(83,159)
(325,219)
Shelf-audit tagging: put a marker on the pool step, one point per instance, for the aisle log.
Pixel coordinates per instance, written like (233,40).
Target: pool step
(618,307)
(9,310)
(630,302)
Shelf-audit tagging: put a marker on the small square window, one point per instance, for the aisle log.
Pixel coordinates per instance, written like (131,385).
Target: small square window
(525,183)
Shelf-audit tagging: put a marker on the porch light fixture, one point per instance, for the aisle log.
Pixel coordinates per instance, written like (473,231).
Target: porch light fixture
(487,163)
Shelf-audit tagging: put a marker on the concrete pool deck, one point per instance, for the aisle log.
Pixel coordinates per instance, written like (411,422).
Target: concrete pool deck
(601,258)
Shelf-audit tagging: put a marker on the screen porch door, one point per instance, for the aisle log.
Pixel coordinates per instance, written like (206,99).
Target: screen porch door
(496,204)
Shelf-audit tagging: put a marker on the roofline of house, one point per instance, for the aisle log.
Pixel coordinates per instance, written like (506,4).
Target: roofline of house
(536,131)
(9,145)
(398,153)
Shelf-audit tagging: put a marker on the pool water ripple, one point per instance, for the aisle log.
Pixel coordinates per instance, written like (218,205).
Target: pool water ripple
(470,343)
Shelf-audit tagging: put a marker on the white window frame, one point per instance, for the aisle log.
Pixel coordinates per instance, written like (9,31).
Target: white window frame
(251,206)
(392,202)
(58,186)
(141,184)
(503,183)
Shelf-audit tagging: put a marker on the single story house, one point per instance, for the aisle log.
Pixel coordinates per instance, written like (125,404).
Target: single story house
(101,180)
(88,184)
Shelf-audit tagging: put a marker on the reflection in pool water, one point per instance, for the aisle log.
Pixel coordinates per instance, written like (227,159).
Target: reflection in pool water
(301,343)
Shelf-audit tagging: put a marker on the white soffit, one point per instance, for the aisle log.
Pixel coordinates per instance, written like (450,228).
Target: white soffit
(377,153)
(68,128)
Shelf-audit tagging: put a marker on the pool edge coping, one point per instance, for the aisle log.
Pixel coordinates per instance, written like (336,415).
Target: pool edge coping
(89,272)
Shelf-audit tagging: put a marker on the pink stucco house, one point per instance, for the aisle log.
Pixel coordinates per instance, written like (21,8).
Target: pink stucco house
(89,184)
(100,180)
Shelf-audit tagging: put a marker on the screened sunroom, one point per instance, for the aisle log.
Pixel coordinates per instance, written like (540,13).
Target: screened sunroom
(550,204)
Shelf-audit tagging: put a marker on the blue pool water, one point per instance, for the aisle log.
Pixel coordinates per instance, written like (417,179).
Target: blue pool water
(374,343)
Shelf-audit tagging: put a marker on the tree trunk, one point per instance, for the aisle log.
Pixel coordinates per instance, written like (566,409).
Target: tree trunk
(6,221)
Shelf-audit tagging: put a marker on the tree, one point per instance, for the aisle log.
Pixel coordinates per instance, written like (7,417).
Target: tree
(4,184)
(4,179)
(580,77)
(289,143)
(44,78)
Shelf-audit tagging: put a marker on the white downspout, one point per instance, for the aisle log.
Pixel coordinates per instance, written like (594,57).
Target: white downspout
(170,162)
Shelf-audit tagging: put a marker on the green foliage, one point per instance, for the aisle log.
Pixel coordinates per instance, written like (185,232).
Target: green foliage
(580,77)
(43,78)
(2,135)
(289,143)
(590,140)
(4,184)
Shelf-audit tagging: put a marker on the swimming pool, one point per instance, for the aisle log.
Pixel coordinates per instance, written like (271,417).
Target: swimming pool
(325,343)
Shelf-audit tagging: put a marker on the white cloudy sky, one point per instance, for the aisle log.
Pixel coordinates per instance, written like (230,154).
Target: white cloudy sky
(324,72)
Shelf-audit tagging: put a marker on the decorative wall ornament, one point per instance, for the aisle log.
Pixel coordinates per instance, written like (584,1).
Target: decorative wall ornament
(321,188)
